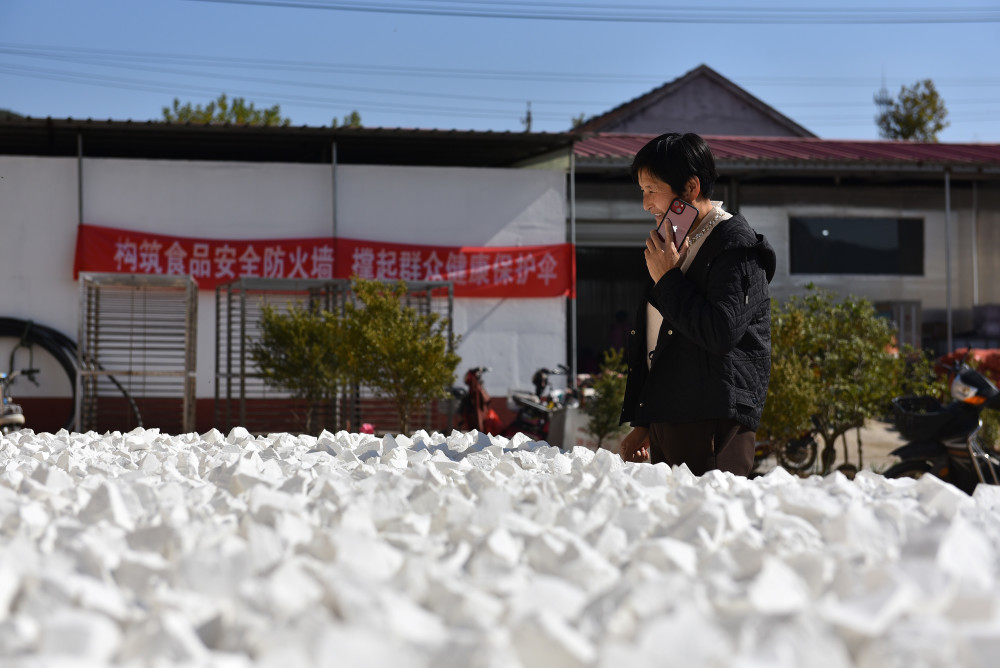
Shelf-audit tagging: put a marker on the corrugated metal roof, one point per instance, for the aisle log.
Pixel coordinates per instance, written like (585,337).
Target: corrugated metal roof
(804,150)
(128,124)
(306,144)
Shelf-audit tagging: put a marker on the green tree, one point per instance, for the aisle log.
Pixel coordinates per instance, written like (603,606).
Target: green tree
(8,115)
(394,350)
(298,352)
(834,365)
(990,434)
(605,407)
(222,110)
(351,120)
(793,393)
(918,113)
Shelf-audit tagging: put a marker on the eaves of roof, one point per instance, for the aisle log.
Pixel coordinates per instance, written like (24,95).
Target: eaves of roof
(805,153)
(198,141)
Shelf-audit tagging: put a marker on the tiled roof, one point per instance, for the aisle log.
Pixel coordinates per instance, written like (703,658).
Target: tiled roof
(804,150)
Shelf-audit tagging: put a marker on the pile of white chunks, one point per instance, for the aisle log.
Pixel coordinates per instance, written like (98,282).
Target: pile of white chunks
(471,550)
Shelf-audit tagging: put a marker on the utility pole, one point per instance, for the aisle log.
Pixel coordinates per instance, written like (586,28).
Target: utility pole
(883,102)
(526,121)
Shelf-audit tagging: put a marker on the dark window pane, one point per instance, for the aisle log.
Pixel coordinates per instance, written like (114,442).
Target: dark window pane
(887,246)
(609,282)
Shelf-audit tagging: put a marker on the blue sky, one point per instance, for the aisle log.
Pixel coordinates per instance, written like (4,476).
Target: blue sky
(820,63)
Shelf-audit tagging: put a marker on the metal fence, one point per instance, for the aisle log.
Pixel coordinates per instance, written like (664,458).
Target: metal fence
(136,352)
(243,398)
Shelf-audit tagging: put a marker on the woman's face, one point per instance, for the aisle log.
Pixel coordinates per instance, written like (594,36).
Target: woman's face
(656,195)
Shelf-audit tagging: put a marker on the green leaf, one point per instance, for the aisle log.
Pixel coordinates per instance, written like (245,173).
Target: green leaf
(835,364)
(394,350)
(221,111)
(604,408)
(918,114)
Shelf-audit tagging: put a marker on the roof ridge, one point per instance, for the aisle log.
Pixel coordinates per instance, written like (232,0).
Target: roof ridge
(594,124)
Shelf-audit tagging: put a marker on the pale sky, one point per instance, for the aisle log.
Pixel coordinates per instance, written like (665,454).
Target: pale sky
(475,64)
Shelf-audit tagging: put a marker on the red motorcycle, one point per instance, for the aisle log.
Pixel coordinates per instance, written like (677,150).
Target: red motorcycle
(474,403)
(533,411)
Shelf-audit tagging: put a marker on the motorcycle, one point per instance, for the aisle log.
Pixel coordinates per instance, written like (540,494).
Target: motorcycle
(11,415)
(534,410)
(473,403)
(797,455)
(944,439)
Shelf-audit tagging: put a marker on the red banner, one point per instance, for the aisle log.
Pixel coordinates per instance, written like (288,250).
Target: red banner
(484,271)
(487,271)
(210,262)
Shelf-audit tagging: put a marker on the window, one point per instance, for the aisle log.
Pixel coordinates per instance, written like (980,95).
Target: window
(886,246)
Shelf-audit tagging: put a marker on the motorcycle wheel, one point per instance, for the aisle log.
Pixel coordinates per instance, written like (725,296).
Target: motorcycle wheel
(517,427)
(907,469)
(798,454)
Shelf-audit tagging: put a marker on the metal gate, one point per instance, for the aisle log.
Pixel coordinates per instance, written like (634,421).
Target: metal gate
(136,352)
(242,398)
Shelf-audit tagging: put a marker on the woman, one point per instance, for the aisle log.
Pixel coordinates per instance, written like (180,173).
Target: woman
(699,357)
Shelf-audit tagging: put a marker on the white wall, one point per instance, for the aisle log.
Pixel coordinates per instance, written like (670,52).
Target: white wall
(446,206)
(471,207)
(451,206)
(208,199)
(38,214)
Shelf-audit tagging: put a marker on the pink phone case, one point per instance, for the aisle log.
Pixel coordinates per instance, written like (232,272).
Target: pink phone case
(680,217)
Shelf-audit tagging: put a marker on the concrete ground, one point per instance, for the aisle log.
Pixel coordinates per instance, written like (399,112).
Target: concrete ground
(878,439)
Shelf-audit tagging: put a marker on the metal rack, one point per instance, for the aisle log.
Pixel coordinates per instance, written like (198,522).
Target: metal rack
(136,352)
(242,398)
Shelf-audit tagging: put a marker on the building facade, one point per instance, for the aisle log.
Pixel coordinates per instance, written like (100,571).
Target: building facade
(223,203)
(911,227)
(914,228)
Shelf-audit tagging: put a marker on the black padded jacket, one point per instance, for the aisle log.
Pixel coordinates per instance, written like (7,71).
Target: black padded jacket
(713,355)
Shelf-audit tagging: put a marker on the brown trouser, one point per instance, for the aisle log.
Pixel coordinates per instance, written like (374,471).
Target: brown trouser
(713,444)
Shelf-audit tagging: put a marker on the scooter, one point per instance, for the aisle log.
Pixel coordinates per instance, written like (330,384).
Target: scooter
(11,415)
(532,418)
(473,403)
(944,439)
(534,411)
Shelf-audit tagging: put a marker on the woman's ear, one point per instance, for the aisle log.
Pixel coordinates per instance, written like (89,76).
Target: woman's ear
(692,189)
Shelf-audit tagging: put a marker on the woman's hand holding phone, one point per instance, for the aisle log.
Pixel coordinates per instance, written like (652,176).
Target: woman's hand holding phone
(661,255)
(663,250)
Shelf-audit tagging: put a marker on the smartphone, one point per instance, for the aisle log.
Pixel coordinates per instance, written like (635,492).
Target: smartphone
(680,217)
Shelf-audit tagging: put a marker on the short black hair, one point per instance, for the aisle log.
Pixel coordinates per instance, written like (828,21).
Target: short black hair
(674,158)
